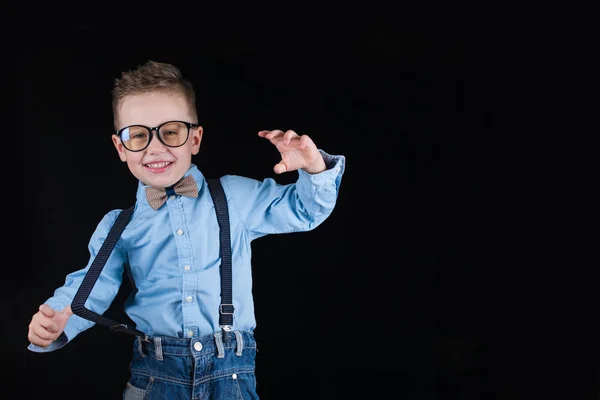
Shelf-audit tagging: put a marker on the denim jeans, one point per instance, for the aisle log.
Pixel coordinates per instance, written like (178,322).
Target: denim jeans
(219,366)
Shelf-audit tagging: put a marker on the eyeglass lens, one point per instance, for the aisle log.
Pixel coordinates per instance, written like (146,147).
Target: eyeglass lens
(172,134)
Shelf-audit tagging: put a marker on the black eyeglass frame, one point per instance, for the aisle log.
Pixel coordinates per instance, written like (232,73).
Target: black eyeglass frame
(189,125)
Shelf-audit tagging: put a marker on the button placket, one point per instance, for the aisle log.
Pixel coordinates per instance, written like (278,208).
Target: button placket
(185,251)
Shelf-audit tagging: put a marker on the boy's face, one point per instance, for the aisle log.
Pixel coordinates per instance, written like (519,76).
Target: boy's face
(157,165)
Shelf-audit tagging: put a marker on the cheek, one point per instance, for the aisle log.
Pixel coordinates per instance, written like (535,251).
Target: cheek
(182,153)
(134,159)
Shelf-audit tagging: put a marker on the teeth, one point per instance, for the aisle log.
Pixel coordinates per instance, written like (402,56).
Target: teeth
(158,165)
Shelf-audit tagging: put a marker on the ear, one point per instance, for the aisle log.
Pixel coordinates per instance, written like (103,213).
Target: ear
(196,139)
(120,149)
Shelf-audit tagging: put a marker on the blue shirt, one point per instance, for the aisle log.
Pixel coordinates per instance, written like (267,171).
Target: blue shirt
(174,256)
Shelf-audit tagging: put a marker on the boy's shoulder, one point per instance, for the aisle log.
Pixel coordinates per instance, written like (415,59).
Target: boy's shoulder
(238,185)
(235,179)
(113,213)
(111,216)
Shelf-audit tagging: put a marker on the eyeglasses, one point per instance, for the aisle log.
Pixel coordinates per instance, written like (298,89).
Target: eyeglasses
(170,133)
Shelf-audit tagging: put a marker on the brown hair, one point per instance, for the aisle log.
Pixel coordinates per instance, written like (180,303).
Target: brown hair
(149,77)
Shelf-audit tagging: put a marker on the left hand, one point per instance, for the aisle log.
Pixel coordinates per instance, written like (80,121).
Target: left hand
(297,152)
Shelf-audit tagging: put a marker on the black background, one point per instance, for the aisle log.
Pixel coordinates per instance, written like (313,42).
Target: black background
(394,296)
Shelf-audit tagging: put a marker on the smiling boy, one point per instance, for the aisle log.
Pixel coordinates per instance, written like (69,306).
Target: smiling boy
(171,244)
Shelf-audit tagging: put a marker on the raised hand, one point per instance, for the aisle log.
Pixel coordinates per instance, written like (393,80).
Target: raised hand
(297,152)
(47,325)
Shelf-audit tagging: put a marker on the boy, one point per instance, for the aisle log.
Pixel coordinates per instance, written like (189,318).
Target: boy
(171,244)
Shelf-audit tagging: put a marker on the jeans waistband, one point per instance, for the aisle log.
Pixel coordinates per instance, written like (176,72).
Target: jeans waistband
(159,346)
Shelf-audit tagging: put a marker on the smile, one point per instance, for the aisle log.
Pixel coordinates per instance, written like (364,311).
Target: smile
(158,165)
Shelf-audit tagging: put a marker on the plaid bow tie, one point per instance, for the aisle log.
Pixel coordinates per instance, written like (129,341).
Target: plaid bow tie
(185,187)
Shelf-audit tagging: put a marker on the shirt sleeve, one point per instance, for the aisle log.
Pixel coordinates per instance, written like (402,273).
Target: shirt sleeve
(267,207)
(101,296)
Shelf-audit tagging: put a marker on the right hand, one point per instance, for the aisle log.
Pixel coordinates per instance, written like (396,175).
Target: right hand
(47,325)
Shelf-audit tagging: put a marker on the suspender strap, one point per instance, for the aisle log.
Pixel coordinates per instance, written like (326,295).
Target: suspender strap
(226,306)
(220,201)
(78,304)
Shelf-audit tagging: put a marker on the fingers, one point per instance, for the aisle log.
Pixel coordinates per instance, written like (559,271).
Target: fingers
(306,141)
(46,310)
(271,134)
(41,338)
(40,331)
(278,134)
(286,138)
(297,151)
(43,330)
(263,133)
(47,325)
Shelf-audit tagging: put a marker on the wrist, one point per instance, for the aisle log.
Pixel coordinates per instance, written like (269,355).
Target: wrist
(316,167)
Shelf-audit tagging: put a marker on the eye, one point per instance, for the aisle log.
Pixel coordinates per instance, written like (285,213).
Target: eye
(140,135)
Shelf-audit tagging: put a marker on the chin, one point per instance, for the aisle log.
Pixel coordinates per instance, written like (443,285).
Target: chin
(165,181)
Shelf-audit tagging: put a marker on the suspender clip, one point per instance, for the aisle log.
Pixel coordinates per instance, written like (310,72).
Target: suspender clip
(227,331)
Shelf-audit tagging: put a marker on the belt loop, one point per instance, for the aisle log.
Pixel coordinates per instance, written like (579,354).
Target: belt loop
(158,348)
(240,343)
(140,347)
(219,342)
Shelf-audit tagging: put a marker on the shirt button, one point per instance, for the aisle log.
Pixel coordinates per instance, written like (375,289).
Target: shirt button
(188,299)
(197,346)
(190,333)
(179,232)
(234,376)
(171,197)
(187,267)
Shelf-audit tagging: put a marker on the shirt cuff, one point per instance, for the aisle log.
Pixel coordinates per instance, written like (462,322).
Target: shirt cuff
(57,344)
(335,165)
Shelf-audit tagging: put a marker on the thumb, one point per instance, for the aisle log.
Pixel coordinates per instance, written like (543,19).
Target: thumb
(280,167)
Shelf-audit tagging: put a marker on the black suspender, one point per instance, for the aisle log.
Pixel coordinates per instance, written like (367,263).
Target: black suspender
(225,309)
(220,201)
(78,304)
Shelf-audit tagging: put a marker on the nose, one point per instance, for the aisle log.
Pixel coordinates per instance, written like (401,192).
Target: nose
(155,146)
